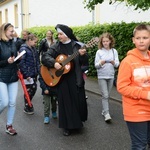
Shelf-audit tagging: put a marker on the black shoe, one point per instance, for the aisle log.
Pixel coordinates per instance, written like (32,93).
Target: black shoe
(29,110)
(66,132)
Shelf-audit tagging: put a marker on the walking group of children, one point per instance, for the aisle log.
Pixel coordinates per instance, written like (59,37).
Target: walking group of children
(29,66)
(132,82)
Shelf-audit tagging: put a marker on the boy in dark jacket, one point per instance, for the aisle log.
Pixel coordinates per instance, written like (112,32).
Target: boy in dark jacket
(49,95)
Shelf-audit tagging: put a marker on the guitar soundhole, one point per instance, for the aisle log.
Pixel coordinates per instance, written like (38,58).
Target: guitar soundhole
(58,73)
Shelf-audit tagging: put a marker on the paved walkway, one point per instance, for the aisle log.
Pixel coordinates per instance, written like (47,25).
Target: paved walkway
(91,85)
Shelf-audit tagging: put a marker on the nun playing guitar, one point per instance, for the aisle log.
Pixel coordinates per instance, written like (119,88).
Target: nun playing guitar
(71,92)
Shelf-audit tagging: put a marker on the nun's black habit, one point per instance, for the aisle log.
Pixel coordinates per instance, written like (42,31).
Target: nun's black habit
(71,92)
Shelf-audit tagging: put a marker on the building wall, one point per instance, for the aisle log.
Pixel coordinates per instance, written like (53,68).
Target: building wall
(52,12)
(119,12)
(45,12)
(71,12)
(10,7)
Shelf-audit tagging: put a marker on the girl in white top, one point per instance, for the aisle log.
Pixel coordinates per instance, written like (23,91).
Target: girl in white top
(105,60)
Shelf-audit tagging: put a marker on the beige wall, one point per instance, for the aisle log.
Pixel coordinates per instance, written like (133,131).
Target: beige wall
(46,13)
(9,5)
(51,12)
(25,14)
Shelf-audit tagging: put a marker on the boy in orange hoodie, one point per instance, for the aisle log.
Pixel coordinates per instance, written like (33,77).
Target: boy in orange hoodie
(134,84)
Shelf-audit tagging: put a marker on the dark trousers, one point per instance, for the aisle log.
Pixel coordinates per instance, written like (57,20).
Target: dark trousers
(31,88)
(140,134)
(47,100)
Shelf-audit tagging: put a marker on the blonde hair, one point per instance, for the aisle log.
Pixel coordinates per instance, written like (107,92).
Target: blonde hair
(26,31)
(106,35)
(4,27)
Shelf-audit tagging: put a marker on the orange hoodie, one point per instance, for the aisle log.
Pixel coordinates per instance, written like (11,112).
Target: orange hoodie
(133,83)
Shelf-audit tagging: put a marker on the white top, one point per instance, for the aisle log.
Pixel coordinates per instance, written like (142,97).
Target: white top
(106,71)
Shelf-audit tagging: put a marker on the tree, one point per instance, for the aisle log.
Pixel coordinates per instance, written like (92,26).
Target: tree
(138,4)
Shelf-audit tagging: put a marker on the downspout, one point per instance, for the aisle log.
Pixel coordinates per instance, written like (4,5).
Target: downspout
(93,16)
(22,14)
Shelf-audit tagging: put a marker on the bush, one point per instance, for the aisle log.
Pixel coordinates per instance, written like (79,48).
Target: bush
(122,33)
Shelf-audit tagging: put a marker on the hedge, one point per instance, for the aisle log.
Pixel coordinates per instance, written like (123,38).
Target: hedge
(122,33)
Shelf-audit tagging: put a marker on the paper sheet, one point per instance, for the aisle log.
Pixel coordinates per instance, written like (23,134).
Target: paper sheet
(21,54)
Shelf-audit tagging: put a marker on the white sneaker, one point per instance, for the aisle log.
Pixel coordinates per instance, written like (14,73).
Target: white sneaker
(102,113)
(107,118)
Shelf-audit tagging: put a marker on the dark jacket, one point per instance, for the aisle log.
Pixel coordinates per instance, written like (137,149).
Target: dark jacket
(44,47)
(19,42)
(8,72)
(48,59)
(29,64)
(44,86)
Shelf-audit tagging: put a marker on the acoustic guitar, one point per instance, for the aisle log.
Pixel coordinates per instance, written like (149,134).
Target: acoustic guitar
(52,76)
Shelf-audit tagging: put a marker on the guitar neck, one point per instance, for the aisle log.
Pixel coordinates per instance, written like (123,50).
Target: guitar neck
(66,61)
(91,43)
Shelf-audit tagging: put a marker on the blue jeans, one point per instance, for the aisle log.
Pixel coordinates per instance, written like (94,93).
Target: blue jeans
(8,95)
(105,89)
(140,134)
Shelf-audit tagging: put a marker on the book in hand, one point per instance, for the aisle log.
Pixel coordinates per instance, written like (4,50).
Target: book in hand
(20,54)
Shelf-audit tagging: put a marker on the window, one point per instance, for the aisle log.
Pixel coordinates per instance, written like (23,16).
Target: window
(6,15)
(16,15)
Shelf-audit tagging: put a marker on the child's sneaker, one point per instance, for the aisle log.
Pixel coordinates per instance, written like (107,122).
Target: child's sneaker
(54,115)
(10,130)
(46,120)
(107,118)
(29,110)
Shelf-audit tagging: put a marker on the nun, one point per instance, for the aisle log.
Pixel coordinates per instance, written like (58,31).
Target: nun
(71,92)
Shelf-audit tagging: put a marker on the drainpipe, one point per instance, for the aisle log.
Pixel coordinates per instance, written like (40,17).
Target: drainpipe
(22,15)
(93,16)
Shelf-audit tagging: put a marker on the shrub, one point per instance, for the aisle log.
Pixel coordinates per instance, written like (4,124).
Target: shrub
(122,33)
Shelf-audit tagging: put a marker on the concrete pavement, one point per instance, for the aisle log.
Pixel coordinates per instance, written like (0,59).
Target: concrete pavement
(91,85)
(33,134)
